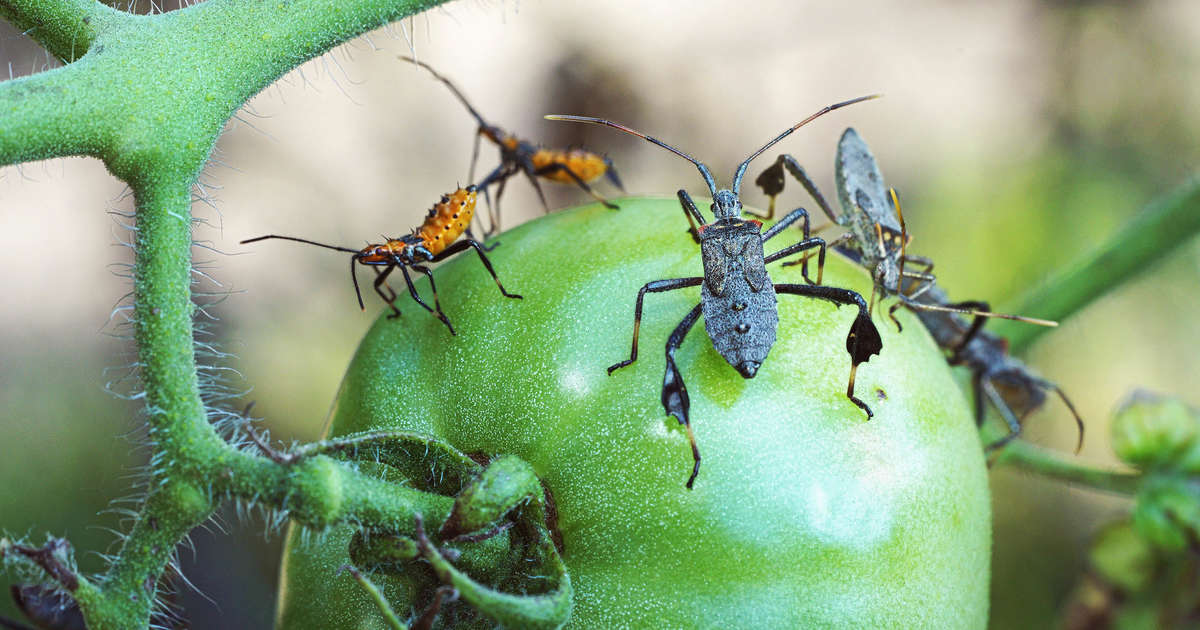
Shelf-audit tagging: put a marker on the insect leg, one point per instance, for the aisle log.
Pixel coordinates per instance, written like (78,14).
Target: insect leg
(845,237)
(863,340)
(391,295)
(486,248)
(790,218)
(550,169)
(499,176)
(1014,426)
(437,305)
(527,167)
(771,181)
(807,243)
(381,279)
(468,242)
(1066,401)
(656,286)
(695,219)
(924,262)
(412,290)
(475,154)
(674,393)
(610,171)
(910,299)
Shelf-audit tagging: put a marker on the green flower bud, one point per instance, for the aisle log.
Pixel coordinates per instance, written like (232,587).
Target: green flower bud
(1151,430)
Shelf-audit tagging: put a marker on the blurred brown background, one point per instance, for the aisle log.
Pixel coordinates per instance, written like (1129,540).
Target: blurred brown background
(1020,134)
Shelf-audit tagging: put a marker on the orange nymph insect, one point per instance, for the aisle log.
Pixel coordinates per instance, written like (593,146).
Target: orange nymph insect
(571,166)
(435,240)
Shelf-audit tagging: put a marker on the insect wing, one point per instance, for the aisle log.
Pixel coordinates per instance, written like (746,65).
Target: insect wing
(860,184)
(742,319)
(716,264)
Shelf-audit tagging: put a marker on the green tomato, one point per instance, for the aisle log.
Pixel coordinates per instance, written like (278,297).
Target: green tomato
(805,514)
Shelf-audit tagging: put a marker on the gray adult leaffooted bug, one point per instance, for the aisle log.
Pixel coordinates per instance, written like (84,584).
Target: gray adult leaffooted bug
(737,297)
(876,238)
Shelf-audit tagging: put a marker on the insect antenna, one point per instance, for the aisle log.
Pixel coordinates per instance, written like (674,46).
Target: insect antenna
(741,171)
(704,172)
(977,313)
(353,259)
(461,97)
(299,240)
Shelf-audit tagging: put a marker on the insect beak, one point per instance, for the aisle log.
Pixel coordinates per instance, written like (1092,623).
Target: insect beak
(748,368)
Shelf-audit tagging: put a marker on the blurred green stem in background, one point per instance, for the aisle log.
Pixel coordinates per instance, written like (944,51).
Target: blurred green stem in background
(1031,458)
(1152,235)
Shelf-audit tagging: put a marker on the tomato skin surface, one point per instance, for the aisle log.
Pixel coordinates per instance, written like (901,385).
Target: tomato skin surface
(804,515)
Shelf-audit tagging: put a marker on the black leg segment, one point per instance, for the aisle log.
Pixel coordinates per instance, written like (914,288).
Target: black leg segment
(863,340)
(674,393)
(468,242)
(657,286)
(558,166)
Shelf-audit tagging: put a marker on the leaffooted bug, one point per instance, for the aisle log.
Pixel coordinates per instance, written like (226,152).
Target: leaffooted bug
(570,166)
(737,296)
(1012,387)
(876,233)
(876,239)
(436,239)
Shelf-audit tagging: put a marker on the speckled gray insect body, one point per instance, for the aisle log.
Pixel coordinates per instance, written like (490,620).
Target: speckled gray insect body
(737,297)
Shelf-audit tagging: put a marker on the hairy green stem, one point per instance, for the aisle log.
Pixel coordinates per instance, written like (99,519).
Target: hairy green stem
(163,328)
(1153,234)
(1025,456)
(149,95)
(66,28)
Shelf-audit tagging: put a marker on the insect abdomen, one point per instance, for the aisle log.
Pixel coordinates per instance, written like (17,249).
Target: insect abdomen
(447,220)
(587,165)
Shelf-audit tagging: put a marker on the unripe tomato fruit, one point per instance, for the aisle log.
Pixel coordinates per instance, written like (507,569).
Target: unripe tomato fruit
(805,514)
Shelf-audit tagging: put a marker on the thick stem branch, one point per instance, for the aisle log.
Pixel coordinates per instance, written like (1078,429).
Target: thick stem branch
(51,114)
(66,28)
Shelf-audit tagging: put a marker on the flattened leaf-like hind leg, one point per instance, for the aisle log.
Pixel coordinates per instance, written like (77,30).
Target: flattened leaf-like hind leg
(468,242)
(863,340)
(551,169)
(656,286)
(771,182)
(674,393)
